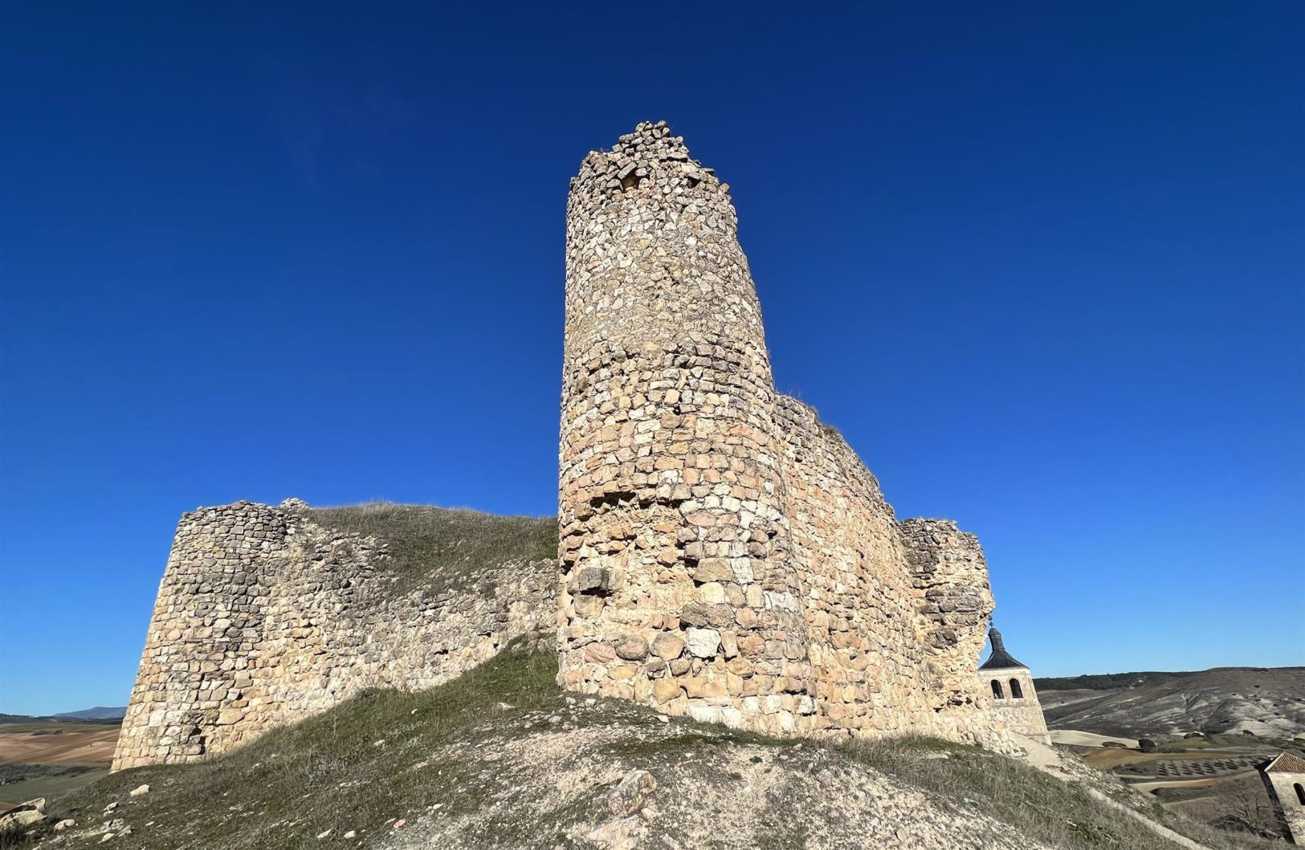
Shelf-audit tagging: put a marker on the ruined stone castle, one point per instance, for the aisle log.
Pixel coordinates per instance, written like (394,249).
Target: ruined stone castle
(723,554)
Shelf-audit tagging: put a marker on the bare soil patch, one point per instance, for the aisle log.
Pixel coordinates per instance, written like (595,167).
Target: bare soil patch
(58,743)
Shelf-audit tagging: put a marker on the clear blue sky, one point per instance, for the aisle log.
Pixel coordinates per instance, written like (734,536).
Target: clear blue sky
(1044,270)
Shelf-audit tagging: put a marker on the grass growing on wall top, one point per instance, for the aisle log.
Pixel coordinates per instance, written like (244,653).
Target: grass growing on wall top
(428,543)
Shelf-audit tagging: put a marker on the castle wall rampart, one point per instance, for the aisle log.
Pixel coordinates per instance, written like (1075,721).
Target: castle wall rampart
(857,604)
(723,553)
(197,672)
(949,576)
(265,617)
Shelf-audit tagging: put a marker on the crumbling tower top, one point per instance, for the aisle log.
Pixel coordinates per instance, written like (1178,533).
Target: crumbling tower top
(649,158)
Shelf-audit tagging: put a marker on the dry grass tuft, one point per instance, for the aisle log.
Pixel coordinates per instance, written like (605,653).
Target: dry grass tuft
(1034,804)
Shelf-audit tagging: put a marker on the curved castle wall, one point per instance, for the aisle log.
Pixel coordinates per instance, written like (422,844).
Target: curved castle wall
(673,542)
(723,553)
(265,617)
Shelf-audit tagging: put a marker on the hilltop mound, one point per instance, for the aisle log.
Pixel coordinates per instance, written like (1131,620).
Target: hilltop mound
(502,758)
(1266,702)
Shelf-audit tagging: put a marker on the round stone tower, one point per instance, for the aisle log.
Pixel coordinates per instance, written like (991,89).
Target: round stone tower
(676,586)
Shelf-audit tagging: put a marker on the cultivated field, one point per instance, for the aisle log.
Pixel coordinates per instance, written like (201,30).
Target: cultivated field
(47,758)
(1211,778)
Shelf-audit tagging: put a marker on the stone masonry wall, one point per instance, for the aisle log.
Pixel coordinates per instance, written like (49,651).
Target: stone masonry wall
(1020,714)
(265,617)
(723,554)
(949,575)
(674,545)
(895,612)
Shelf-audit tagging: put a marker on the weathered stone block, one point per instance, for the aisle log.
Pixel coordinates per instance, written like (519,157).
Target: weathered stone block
(704,643)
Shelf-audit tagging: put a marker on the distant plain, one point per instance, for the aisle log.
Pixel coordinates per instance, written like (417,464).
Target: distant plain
(46,758)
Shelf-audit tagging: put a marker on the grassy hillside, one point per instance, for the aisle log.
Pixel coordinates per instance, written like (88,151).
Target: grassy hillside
(340,770)
(502,758)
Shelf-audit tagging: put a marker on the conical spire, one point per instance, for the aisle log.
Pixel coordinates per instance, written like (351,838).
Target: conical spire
(1000,658)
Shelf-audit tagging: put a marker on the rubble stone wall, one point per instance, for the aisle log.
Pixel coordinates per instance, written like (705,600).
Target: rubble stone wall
(675,549)
(265,617)
(724,554)
(949,578)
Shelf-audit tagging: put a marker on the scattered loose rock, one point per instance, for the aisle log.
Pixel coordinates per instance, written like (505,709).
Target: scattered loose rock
(631,793)
(23,816)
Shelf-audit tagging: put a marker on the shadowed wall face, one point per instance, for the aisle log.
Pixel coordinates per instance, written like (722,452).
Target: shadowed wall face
(723,554)
(949,577)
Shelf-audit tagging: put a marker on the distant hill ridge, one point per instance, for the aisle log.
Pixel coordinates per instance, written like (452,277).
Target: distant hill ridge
(98,712)
(1111,681)
(95,714)
(1268,702)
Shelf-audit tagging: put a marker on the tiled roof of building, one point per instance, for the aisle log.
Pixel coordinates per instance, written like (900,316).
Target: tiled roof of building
(1286,763)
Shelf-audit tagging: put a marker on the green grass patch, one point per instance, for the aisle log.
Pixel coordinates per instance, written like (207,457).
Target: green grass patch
(329,772)
(20,782)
